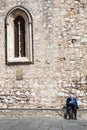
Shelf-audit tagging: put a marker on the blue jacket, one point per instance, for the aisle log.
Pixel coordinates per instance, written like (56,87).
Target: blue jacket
(74,101)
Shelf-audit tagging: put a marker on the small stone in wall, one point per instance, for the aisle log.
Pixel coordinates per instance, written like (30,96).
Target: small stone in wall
(27,93)
(61,94)
(18,93)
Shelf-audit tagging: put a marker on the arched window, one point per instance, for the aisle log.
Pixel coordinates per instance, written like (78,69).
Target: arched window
(19,36)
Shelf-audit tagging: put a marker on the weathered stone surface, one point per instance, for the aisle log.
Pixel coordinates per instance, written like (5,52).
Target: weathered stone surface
(60,56)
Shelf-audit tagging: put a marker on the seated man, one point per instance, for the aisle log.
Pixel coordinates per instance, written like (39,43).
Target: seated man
(71,104)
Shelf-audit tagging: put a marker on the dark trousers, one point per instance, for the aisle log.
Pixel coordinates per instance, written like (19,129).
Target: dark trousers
(71,109)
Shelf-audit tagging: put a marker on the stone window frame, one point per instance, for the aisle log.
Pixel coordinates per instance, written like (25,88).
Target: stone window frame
(10,58)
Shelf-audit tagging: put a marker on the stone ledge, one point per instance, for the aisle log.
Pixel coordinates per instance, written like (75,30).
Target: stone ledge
(47,109)
(38,112)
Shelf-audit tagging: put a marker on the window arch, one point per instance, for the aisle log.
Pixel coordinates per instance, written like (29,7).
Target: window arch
(19,36)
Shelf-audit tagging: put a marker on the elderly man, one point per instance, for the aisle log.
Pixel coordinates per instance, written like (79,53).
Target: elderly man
(72,105)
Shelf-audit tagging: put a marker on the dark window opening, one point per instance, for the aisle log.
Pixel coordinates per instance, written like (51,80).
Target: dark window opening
(19,37)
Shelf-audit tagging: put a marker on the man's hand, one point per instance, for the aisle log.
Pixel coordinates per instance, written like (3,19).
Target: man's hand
(71,102)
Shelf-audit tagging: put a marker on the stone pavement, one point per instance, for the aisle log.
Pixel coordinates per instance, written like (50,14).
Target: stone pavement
(42,124)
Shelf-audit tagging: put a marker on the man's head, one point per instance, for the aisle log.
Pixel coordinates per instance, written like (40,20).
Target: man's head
(71,95)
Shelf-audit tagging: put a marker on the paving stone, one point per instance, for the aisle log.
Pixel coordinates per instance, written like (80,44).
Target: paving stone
(42,124)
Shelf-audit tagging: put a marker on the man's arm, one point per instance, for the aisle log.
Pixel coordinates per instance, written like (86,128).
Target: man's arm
(75,102)
(67,101)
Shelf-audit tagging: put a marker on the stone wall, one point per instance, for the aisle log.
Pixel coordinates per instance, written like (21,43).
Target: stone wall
(60,59)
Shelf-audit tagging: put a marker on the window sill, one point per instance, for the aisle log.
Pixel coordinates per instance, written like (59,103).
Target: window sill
(19,60)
